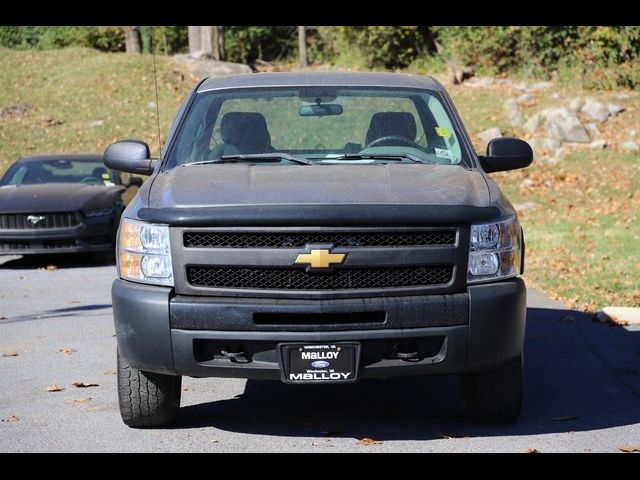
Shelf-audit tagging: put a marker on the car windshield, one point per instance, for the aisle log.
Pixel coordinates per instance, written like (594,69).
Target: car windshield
(324,125)
(32,172)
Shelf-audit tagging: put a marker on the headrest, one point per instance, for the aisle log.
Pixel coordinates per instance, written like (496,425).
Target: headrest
(246,130)
(384,124)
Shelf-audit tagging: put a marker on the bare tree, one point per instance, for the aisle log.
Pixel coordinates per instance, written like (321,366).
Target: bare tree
(132,39)
(302,46)
(195,39)
(206,37)
(221,43)
(215,43)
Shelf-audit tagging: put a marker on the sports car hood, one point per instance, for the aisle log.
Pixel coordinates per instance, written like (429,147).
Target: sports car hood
(56,197)
(246,185)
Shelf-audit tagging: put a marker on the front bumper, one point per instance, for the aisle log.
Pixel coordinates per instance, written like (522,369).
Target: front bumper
(175,335)
(94,234)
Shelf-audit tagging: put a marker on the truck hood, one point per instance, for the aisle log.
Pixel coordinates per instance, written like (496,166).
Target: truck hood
(56,197)
(246,185)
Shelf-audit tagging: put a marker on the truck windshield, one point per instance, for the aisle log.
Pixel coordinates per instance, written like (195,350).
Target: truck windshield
(325,125)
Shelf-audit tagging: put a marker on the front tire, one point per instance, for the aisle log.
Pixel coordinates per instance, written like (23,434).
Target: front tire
(494,396)
(147,399)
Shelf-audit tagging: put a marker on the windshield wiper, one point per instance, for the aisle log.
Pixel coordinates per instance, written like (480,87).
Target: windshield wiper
(391,156)
(253,156)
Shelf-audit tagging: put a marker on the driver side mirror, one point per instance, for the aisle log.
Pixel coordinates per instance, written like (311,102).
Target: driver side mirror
(506,153)
(131,156)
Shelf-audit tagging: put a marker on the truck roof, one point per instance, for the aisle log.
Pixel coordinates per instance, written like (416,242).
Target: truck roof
(319,79)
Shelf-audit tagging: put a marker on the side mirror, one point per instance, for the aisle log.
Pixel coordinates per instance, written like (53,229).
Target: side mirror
(131,156)
(506,153)
(135,182)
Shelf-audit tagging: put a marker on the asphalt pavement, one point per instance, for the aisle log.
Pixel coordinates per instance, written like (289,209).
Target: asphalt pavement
(582,386)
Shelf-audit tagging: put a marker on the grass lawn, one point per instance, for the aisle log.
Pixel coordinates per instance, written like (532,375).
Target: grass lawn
(583,235)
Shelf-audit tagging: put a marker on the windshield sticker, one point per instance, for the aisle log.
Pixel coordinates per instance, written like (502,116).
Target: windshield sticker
(442,153)
(106,176)
(443,132)
(452,141)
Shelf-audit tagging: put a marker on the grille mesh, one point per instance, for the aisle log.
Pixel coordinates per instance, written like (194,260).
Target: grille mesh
(20,221)
(300,239)
(296,279)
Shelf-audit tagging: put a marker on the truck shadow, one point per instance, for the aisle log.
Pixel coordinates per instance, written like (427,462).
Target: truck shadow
(60,260)
(580,375)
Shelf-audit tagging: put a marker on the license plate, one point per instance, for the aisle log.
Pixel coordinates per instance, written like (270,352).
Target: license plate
(320,363)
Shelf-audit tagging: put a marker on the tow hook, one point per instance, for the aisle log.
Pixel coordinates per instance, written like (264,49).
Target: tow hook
(409,356)
(236,357)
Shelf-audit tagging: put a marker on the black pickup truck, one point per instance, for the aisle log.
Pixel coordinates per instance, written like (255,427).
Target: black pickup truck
(316,228)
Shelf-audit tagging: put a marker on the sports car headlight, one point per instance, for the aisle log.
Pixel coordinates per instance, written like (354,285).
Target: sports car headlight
(494,251)
(144,253)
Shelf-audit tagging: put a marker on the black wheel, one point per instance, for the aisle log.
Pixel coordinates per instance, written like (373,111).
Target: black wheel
(147,399)
(494,396)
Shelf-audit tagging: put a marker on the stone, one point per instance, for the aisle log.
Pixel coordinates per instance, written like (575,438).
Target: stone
(575,104)
(621,316)
(592,129)
(632,132)
(489,134)
(531,125)
(550,143)
(622,96)
(96,123)
(598,145)
(525,97)
(523,207)
(564,125)
(594,109)
(152,105)
(527,183)
(555,96)
(630,146)
(212,68)
(480,82)
(615,109)
(541,86)
(514,115)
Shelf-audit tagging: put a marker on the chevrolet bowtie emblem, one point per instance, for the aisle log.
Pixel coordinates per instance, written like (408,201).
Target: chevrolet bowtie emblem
(320,258)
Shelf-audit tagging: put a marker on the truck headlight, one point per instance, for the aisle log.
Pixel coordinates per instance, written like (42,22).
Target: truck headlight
(494,251)
(144,253)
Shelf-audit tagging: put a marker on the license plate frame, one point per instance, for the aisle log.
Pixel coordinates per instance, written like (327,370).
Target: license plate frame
(328,374)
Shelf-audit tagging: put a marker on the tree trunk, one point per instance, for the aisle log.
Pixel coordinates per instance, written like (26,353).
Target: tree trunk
(194,39)
(302,46)
(132,39)
(215,43)
(206,34)
(221,43)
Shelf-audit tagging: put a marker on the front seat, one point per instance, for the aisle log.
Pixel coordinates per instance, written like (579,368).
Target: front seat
(246,131)
(384,124)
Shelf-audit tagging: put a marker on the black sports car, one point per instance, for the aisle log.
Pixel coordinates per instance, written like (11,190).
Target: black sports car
(60,203)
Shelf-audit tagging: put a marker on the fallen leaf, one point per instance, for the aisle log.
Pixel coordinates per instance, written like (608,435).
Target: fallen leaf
(367,442)
(3,318)
(51,268)
(565,419)
(67,350)
(111,371)
(53,388)
(533,450)
(630,449)
(79,401)
(85,385)
(185,389)
(10,354)
(11,419)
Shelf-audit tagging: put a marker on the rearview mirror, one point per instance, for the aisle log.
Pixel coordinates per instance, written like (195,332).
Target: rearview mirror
(131,156)
(506,153)
(320,110)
